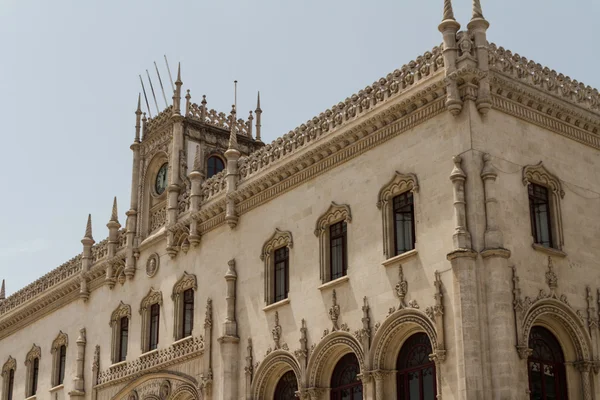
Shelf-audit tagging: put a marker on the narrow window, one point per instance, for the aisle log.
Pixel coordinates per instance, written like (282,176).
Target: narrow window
(539,208)
(62,356)
(154,317)
(337,247)
(123,338)
(404,223)
(188,312)
(11,383)
(34,376)
(282,265)
(215,165)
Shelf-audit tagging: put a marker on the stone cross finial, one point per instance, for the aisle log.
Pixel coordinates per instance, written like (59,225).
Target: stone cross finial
(88,228)
(477,10)
(114,217)
(3,291)
(448,12)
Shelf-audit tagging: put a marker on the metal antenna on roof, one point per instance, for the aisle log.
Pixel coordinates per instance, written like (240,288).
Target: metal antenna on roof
(161,85)
(170,76)
(235,94)
(153,95)
(145,97)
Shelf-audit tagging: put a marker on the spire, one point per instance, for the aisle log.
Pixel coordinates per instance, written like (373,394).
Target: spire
(138,118)
(115,214)
(88,228)
(448,12)
(233,134)
(477,11)
(258,116)
(3,291)
(177,93)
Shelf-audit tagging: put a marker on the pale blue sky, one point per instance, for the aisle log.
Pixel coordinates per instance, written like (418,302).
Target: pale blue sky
(69,84)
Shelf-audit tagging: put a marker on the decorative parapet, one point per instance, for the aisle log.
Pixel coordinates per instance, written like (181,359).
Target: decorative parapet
(214,185)
(340,114)
(154,123)
(51,279)
(176,353)
(100,250)
(534,74)
(217,119)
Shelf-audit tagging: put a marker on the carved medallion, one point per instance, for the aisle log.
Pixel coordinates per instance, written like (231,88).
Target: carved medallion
(165,389)
(152,265)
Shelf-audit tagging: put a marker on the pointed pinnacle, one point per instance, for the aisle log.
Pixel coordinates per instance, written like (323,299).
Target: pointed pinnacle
(197,160)
(88,228)
(139,105)
(3,291)
(258,103)
(477,10)
(448,12)
(233,134)
(115,214)
(178,73)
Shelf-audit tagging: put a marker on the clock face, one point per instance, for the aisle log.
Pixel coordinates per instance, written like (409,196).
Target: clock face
(161,179)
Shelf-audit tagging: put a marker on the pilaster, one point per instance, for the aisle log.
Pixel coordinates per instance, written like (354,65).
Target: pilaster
(230,341)
(78,379)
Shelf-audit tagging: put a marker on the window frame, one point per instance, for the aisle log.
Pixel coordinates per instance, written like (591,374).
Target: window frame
(188,299)
(278,240)
(9,370)
(278,259)
(334,214)
(122,310)
(153,297)
(342,237)
(395,212)
(61,340)
(216,157)
(399,184)
(561,384)
(186,282)
(540,176)
(154,327)
(535,200)
(33,356)
(121,342)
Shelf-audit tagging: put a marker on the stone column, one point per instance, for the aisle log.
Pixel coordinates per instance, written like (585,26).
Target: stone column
(230,340)
(113,226)
(232,155)
(479,27)
(196,178)
(449,27)
(207,374)
(585,368)
(131,222)
(78,380)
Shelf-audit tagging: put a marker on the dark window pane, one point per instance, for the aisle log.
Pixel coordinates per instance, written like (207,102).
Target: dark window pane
(154,318)
(344,381)
(34,376)
(539,208)
(416,372)
(215,165)
(123,338)
(547,377)
(337,250)
(281,274)
(11,383)
(61,364)
(286,387)
(188,312)
(404,223)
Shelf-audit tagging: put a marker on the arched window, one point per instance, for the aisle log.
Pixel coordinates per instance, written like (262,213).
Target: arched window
(345,384)
(215,165)
(546,366)
(416,373)
(286,387)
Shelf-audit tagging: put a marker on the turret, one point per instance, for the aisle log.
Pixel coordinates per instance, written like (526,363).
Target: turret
(258,116)
(196,177)
(232,155)
(131,223)
(113,226)
(479,26)
(86,259)
(449,28)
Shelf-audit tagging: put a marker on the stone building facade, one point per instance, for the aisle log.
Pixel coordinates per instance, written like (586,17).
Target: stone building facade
(433,236)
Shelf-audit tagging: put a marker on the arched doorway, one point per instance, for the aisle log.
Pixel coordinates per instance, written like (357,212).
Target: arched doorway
(546,366)
(345,384)
(286,387)
(415,379)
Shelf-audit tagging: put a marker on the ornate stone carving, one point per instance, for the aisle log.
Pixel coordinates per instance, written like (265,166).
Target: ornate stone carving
(10,364)
(399,184)
(401,287)
(152,265)
(335,213)
(61,340)
(187,281)
(276,332)
(165,389)
(122,310)
(33,353)
(152,297)
(334,311)
(278,240)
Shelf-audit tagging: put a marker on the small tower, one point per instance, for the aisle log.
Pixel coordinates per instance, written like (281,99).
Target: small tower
(232,155)
(196,177)
(113,226)
(479,26)
(132,213)
(86,259)
(258,112)
(3,291)
(449,28)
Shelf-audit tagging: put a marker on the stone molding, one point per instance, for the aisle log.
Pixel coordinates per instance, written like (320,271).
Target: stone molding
(278,240)
(538,174)
(10,364)
(61,340)
(122,310)
(153,297)
(178,352)
(271,369)
(399,184)
(186,282)
(334,214)
(34,352)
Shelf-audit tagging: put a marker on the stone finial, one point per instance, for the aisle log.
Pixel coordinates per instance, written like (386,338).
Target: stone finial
(551,278)
(401,288)
(477,10)
(258,112)
(114,216)
(188,98)
(457,173)
(448,11)
(138,118)
(177,92)
(233,145)
(88,230)
(3,291)
(334,312)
